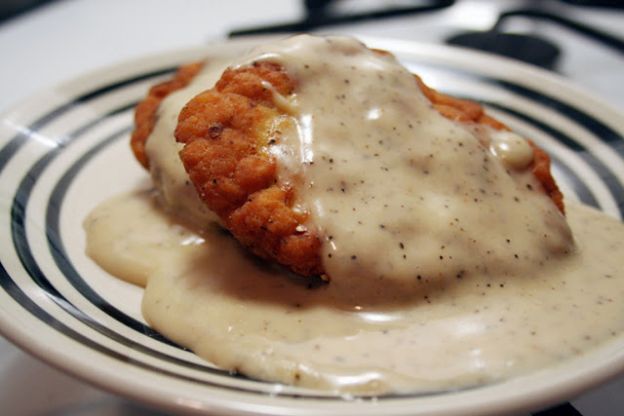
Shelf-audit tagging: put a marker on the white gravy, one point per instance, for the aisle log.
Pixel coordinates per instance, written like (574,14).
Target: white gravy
(239,314)
(395,189)
(441,246)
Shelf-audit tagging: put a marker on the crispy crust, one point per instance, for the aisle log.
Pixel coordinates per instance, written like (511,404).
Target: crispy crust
(145,111)
(225,131)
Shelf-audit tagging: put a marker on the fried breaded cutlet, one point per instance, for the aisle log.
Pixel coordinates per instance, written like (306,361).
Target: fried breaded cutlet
(145,111)
(225,155)
(224,130)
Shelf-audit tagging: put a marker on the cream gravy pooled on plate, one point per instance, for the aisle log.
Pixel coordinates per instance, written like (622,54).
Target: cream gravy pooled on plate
(238,313)
(449,265)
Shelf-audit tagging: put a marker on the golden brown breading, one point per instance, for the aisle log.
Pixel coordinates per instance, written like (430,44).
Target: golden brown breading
(225,131)
(145,111)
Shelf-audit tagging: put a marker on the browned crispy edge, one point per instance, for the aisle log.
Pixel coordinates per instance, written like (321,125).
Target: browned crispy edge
(145,111)
(469,111)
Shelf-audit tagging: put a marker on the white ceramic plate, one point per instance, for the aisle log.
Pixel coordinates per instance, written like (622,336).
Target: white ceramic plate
(66,149)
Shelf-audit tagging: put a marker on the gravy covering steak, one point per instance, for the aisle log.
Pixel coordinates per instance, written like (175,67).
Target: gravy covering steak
(442,232)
